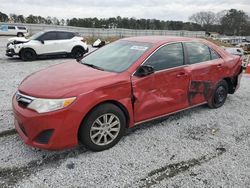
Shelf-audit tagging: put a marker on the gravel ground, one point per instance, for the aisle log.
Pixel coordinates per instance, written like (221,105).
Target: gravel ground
(199,147)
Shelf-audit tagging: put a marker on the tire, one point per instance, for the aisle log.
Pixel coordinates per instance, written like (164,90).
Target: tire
(20,35)
(219,95)
(96,132)
(28,55)
(77,52)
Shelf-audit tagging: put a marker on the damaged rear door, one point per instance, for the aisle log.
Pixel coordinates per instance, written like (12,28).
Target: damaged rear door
(165,90)
(206,69)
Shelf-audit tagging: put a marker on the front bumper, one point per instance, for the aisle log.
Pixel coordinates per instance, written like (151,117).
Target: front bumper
(51,131)
(10,52)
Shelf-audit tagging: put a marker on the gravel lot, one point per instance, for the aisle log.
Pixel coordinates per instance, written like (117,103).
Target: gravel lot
(199,147)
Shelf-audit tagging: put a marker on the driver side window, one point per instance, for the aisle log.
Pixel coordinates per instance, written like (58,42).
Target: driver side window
(166,57)
(48,36)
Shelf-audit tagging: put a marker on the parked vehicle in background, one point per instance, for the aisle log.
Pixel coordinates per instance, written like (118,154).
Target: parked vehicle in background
(120,85)
(99,43)
(244,45)
(239,52)
(47,43)
(236,51)
(19,31)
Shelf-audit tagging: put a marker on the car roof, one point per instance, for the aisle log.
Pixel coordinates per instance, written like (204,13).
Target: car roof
(59,31)
(160,39)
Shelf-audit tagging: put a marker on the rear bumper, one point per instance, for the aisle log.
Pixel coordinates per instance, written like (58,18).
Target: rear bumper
(239,77)
(51,131)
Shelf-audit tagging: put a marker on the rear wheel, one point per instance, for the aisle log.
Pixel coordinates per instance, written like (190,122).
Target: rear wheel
(77,52)
(103,127)
(219,95)
(28,55)
(20,34)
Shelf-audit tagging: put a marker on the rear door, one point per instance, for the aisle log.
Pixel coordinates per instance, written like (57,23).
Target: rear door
(65,44)
(164,91)
(206,68)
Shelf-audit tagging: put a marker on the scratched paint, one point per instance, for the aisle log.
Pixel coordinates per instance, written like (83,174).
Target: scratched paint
(198,91)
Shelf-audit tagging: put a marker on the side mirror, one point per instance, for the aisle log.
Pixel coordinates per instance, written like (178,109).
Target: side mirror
(144,70)
(42,41)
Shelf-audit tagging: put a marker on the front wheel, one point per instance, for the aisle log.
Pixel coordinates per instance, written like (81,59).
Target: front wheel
(219,95)
(103,127)
(28,55)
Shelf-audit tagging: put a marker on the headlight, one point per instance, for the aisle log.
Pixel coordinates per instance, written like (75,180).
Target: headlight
(48,105)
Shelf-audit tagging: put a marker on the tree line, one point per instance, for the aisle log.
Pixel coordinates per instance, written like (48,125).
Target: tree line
(229,22)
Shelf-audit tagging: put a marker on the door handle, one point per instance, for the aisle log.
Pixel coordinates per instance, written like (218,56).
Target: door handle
(219,66)
(182,74)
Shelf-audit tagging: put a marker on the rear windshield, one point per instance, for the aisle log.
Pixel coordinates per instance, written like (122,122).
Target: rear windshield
(117,56)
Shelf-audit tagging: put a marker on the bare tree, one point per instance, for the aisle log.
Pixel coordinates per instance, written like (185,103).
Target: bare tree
(204,18)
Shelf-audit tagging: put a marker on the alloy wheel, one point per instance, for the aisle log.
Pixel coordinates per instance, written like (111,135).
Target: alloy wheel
(105,129)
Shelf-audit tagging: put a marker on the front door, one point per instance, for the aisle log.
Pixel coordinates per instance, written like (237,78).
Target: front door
(49,43)
(164,91)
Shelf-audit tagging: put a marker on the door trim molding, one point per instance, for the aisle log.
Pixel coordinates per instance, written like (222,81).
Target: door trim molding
(164,115)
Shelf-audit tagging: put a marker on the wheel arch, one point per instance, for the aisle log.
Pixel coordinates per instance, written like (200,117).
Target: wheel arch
(232,83)
(20,33)
(26,48)
(78,46)
(114,102)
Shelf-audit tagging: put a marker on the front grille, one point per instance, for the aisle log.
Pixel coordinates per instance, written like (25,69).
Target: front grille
(23,100)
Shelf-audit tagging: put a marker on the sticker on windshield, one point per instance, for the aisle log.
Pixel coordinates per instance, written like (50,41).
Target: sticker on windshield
(140,48)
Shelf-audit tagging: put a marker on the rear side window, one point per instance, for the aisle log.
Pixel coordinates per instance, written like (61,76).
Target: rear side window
(48,36)
(64,35)
(168,56)
(197,52)
(21,28)
(11,27)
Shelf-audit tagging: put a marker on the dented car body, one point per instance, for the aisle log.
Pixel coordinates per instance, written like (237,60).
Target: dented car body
(123,84)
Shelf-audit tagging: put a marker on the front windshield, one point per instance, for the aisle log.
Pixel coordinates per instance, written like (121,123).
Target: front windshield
(117,56)
(35,36)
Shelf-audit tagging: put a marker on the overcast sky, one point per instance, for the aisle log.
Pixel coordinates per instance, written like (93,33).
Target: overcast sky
(159,9)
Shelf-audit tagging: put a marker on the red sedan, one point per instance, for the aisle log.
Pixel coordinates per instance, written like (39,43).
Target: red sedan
(123,84)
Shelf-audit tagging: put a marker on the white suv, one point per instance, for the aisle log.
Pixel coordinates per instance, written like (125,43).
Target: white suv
(46,43)
(19,31)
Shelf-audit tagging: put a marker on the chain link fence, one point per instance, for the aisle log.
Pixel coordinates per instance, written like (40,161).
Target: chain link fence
(117,32)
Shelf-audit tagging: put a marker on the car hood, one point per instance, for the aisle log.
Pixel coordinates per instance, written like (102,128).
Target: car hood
(66,80)
(18,39)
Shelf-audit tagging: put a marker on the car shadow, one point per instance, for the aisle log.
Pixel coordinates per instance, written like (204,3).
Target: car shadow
(18,60)
(167,119)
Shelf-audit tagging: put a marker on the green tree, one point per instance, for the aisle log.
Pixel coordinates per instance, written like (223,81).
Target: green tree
(4,17)
(235,22)
(31,19)
(20,19)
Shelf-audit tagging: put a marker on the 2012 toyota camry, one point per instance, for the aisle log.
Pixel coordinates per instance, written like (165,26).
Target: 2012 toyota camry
(123,84)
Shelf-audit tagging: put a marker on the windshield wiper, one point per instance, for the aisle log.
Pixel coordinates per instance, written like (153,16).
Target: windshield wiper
(93,66)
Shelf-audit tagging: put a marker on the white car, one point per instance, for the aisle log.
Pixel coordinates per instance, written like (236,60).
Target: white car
(19,31)
(239,52)
(235,51)
(46,43)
